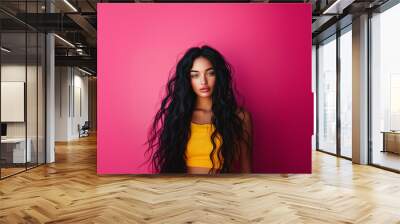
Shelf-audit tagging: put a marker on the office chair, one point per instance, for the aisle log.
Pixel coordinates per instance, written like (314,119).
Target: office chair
(84,130)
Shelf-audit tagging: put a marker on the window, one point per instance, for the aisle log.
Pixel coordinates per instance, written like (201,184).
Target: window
(327,95)
(385,88)
(346,93)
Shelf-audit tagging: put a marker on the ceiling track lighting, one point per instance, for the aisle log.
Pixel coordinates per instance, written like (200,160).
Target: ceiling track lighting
(337,7)
(5,50)
(84,71)
(70,5)
(64,40)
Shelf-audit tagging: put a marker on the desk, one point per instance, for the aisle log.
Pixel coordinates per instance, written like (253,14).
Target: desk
(391,141)
(13,150)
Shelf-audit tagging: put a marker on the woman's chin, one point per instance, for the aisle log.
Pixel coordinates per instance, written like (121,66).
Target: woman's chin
(204,94)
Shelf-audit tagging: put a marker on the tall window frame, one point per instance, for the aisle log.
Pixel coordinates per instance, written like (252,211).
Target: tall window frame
(337,151)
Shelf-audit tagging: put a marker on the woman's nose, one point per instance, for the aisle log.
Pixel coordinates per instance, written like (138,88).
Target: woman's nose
(203,80)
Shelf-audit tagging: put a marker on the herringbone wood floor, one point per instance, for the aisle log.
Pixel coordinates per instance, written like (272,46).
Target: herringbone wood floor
(69,191)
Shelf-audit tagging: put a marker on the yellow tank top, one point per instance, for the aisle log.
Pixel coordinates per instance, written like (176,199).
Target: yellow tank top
(199,147)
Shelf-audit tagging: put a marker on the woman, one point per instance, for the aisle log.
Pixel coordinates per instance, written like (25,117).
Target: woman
(199,128)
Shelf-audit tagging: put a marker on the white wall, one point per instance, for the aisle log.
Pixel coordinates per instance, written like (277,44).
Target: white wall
(81,84)
(62,78)
(16,72)
(71,93)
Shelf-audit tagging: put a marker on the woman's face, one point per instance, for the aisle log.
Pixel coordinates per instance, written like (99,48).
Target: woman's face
(202,76)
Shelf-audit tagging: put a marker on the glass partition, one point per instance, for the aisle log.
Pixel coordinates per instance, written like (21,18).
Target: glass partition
(13,104)
(22,89)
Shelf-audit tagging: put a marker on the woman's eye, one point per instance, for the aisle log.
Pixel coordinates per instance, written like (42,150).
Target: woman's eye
(211,73)
(194,75)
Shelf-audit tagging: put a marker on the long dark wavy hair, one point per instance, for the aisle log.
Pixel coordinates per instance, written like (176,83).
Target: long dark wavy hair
(170,131)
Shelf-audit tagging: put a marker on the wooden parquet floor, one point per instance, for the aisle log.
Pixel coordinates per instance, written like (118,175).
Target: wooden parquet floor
(70,191)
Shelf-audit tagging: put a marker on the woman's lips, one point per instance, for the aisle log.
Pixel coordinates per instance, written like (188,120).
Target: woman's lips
(204,89)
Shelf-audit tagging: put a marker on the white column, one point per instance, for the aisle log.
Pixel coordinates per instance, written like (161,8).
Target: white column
(360,90)
(50,92)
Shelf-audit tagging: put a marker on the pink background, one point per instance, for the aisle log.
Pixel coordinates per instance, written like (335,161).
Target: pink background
(269,46)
